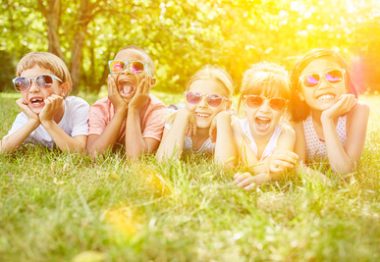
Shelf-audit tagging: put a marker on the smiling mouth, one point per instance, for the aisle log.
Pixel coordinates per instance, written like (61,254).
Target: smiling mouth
(202,115)
(326,98)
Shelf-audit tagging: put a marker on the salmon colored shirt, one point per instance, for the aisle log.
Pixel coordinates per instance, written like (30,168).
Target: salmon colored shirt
(152,118)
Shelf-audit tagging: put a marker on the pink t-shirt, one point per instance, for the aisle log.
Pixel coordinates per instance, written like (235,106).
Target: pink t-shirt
(152,118)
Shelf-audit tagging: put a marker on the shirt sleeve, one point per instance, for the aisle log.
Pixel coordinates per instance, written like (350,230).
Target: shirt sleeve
(80,118)
(19,122)
(97,119)
(155,124)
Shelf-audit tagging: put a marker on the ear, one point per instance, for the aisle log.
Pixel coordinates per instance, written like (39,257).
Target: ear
(64,89)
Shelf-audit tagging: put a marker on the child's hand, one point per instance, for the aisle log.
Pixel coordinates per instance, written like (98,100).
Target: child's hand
(344,104)
(114,96)
(27,111)
(141,97)
(280,161)
(249,182)
(52,105)
(191,128)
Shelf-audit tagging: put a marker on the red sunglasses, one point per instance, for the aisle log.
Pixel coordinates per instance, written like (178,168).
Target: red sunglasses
(213,100)
(276,103)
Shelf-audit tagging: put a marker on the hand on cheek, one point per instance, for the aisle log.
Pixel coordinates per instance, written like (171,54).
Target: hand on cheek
(344,104)
(141,96)
(27,111)
(52,105)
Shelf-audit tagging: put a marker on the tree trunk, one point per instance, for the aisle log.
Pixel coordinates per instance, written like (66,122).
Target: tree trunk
(52,15)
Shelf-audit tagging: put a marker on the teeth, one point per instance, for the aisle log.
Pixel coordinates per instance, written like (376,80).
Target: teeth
(328,97)
(202,114)
(36,100)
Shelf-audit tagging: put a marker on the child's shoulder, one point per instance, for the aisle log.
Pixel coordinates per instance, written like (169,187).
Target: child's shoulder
(75,100)
(287,128)
(155,102)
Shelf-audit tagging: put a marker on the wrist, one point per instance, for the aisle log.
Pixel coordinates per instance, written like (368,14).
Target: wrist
(34,122)
(47,123)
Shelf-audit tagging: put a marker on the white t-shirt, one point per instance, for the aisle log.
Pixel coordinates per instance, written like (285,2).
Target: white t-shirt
(73,122)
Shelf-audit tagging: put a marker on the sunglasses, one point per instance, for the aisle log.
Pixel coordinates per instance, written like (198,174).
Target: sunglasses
(132,67)
(254,101)
(213,100)
(314,79)
(42,81)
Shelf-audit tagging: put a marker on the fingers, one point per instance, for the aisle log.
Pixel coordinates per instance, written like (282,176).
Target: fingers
(286,156)
(112,88)
(249,182)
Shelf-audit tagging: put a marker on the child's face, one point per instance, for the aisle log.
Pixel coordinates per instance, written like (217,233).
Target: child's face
(35,95)
(127,82)
(212,101)
(322,82)
(263,113)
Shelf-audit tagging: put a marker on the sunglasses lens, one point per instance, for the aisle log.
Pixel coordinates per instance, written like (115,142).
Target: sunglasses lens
(214,100)
(193,98)
(254,101)
(44,81)
(334,76)
(136,67)
(311,80)
(116,66)
(277,103)
(21,83)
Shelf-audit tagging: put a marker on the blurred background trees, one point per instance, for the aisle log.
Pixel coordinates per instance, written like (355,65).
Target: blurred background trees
(181,36)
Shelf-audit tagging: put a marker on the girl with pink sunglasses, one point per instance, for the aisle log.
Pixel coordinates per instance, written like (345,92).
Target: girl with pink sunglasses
(330,123)
(193,128)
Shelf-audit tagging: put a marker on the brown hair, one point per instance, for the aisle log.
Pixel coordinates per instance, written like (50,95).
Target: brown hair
(48,61)
(299,109)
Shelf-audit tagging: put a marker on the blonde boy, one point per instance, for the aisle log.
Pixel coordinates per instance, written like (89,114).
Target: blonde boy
(49,117)
(129,116)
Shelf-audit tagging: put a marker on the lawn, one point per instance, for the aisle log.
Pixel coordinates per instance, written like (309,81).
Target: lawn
(67,207)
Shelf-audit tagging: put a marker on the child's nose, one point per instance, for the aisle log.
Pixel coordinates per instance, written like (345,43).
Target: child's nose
(33,87)
(203,102)
(265,106)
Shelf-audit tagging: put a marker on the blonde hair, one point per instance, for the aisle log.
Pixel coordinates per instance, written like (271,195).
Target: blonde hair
(48,61)
(215,73)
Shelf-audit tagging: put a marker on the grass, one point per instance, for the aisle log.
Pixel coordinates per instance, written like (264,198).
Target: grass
(66,207)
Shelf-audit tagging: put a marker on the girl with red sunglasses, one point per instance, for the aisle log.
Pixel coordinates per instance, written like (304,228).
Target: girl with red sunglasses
(192,128)
(330,123)
(264,138)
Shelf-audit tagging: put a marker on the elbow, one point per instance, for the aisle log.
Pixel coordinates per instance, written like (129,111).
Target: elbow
(344,169)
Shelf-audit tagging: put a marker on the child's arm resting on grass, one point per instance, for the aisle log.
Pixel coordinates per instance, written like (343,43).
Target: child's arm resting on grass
(65,142)
(137,142)
(225,148)
(103,135)
(343,158)
(20,130)
(174,135)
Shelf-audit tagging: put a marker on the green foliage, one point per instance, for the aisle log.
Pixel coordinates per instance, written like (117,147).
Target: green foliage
(183,36)
(67,207)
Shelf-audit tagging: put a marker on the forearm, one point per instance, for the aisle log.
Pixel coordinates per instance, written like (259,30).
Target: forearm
(339,160)
(225,148)
(63,141)
(13,141)
(173,141)
(135,145)
(109,137)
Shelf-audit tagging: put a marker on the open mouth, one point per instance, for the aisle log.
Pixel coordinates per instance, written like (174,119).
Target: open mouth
(36,101)
(262,123)
(326,98)
(126,88)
